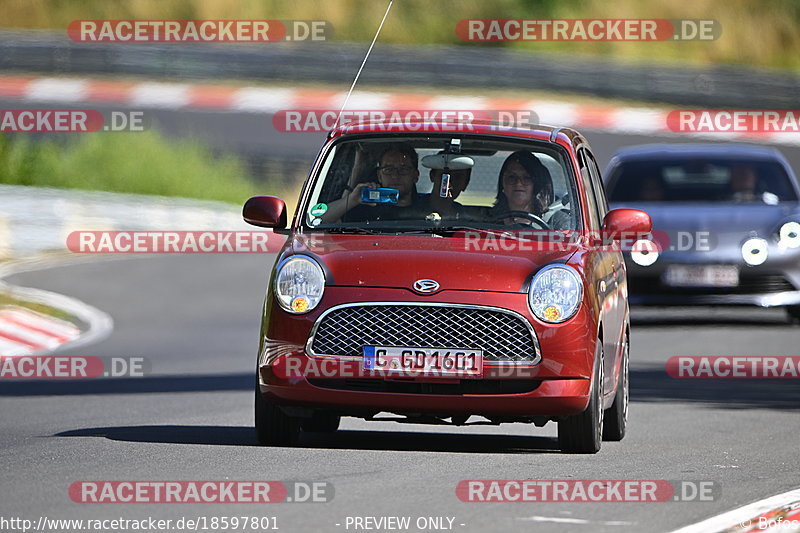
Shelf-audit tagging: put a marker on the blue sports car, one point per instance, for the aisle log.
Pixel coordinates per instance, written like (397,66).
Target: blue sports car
(726,224)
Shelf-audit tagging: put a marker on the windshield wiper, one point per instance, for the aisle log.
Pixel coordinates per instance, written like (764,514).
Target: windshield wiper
(442,231)
(449,230)
(353,230)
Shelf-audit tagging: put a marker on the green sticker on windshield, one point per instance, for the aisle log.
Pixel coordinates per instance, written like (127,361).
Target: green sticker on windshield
(319,210)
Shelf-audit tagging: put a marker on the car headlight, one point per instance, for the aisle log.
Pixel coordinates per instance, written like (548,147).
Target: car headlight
(644,252)
(299,284)
(755,251)
(790,235)
(555,293)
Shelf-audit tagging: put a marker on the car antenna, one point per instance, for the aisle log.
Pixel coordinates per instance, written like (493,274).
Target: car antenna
(353,86)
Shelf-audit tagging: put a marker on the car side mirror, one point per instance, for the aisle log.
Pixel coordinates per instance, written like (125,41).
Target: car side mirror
(620,224)
(265,211)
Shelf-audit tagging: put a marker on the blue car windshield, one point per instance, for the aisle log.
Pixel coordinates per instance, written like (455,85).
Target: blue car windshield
(701,180)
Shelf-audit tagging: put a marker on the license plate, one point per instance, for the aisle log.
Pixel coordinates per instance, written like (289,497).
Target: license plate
(702,276)
(445,362)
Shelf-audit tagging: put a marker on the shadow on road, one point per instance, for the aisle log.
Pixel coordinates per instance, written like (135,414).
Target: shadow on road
(655,385)
(340,440)
(432,442)
(143,385)
(647,385)
(207,435)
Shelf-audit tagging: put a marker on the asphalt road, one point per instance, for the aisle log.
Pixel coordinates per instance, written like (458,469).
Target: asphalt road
(195,318)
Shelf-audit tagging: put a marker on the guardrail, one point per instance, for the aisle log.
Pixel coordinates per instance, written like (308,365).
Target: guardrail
(444,67)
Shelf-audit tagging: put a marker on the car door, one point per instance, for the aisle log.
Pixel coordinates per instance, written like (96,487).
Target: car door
(608,268)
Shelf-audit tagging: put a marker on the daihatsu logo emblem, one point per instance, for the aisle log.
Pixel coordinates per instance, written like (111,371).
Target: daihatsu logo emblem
(426,286)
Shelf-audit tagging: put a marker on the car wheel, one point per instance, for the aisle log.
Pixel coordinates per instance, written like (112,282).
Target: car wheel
(321,423)
(583,433)
(615,419)
(273,426)
(794,313)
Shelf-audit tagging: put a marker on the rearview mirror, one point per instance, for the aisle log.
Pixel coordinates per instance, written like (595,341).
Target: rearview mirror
(621,224)
(265,211)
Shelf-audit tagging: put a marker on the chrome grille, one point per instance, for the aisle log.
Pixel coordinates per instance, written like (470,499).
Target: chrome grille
(504,336)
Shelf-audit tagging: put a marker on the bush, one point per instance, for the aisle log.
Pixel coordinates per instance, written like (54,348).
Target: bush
(141,162)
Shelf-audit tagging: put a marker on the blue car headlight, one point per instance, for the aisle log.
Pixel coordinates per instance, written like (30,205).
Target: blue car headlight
(644,252)
(755,251)
(789,235)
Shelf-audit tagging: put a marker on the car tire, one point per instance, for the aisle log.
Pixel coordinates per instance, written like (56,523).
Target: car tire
(273,426)
(321,422)
(582,433)
(615,419)
(794,314)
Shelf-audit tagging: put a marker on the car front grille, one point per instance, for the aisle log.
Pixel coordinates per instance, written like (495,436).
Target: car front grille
(504,336)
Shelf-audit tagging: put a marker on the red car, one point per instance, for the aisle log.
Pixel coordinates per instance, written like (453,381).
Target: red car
(435,272)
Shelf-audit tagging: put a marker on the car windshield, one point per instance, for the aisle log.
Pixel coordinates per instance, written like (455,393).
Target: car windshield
(440,182)
(701,180)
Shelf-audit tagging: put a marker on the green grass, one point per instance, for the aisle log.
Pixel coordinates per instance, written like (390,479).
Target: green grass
(758,33)
(141,163)
(6,300)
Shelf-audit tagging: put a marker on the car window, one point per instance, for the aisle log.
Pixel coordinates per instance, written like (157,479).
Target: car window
(597,181)
(384,167)
(701,180)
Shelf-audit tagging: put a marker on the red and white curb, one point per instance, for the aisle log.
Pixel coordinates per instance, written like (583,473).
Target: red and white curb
(25,332)
(777,513)
(616,119)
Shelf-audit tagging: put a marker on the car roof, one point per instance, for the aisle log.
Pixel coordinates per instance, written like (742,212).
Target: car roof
(727,150)
(481,127)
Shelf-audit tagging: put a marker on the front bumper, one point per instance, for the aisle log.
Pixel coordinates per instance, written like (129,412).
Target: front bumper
(559,384)
(760,300)
(550,398)
(773,284)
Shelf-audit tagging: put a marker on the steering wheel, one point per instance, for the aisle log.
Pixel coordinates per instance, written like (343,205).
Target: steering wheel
(522,214)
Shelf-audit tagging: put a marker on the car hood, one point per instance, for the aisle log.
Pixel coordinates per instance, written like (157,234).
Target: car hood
(726,223)
(456,263)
